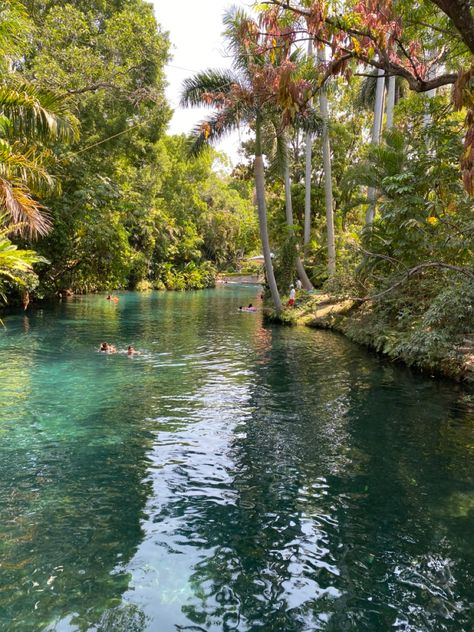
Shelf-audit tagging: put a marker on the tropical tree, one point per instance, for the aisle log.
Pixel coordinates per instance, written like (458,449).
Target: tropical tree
(429,44)
(308,172)
(328,197)
(277,139)
(254,91)
(16,265)
(240,96)
(29,116)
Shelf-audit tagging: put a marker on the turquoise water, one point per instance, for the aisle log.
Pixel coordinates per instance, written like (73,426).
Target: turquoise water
(232,477)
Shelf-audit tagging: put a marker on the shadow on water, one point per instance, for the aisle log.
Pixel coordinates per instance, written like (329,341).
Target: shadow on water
(345,502)
(232,477)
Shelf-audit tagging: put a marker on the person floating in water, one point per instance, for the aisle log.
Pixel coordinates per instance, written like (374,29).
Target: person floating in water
(132,351)
(250,308)
(106,348)
(112,298)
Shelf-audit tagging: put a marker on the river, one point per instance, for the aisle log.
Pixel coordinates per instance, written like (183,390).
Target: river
(234,476)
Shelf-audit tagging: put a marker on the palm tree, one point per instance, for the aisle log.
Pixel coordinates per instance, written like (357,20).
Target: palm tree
(28,117)
(308,170)
(390,103)
(326,147)
(280,160)
(240,96)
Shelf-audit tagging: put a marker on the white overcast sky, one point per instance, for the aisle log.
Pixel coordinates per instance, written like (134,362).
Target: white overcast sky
(195,30)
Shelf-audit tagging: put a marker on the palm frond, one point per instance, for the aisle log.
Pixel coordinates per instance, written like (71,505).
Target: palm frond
(215,127)
(207,88)
(27,165)
(310,121)
(35,113)
(241,34)
(29,217)
(16,265)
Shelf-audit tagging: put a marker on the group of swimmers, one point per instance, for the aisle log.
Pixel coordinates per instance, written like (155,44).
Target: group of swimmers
(106,348)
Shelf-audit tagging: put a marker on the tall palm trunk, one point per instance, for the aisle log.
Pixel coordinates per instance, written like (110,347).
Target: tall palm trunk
(289,220)
(376,131)
(262,216)
(390,103)
(323,104)
(307,180)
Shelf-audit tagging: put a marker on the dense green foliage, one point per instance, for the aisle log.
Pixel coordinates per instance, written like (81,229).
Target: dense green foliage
(412,269)
(126,207)
(82,127)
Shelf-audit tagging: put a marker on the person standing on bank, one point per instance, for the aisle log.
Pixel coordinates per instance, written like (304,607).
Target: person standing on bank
(291,300)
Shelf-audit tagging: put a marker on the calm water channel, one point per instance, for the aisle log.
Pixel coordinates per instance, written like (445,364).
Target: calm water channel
(232,477)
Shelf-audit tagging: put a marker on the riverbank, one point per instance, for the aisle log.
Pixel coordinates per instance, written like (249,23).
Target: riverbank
(428,350)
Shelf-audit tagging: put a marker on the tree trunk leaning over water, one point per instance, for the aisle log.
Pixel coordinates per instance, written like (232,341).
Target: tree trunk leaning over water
(262,218)
(323,104)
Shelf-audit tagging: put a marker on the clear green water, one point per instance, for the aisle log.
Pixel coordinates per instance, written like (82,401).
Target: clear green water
(233,477)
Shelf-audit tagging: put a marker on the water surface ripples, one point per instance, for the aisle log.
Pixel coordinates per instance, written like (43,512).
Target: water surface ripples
(232,477)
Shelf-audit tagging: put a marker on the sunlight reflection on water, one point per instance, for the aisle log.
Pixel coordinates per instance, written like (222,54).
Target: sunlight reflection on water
(233,476)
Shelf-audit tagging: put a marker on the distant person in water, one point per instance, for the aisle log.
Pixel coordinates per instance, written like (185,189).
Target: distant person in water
(250,308)
(106,348)
(112,298)
(132,351)
(291,300)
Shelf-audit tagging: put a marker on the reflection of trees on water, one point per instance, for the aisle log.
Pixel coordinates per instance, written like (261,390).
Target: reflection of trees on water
(265,533)
(71,474)
(74,467)
(346,485)
(408,559)
(331,518)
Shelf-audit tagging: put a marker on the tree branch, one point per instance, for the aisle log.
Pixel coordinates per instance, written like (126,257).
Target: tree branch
(460,14)
(411,272)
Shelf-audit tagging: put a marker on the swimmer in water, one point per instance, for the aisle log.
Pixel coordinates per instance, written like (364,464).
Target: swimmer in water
(132,351)
(106,348)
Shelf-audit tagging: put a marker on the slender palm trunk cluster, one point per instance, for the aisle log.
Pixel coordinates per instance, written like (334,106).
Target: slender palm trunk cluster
(262,216)
(376,132)
(323,104)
